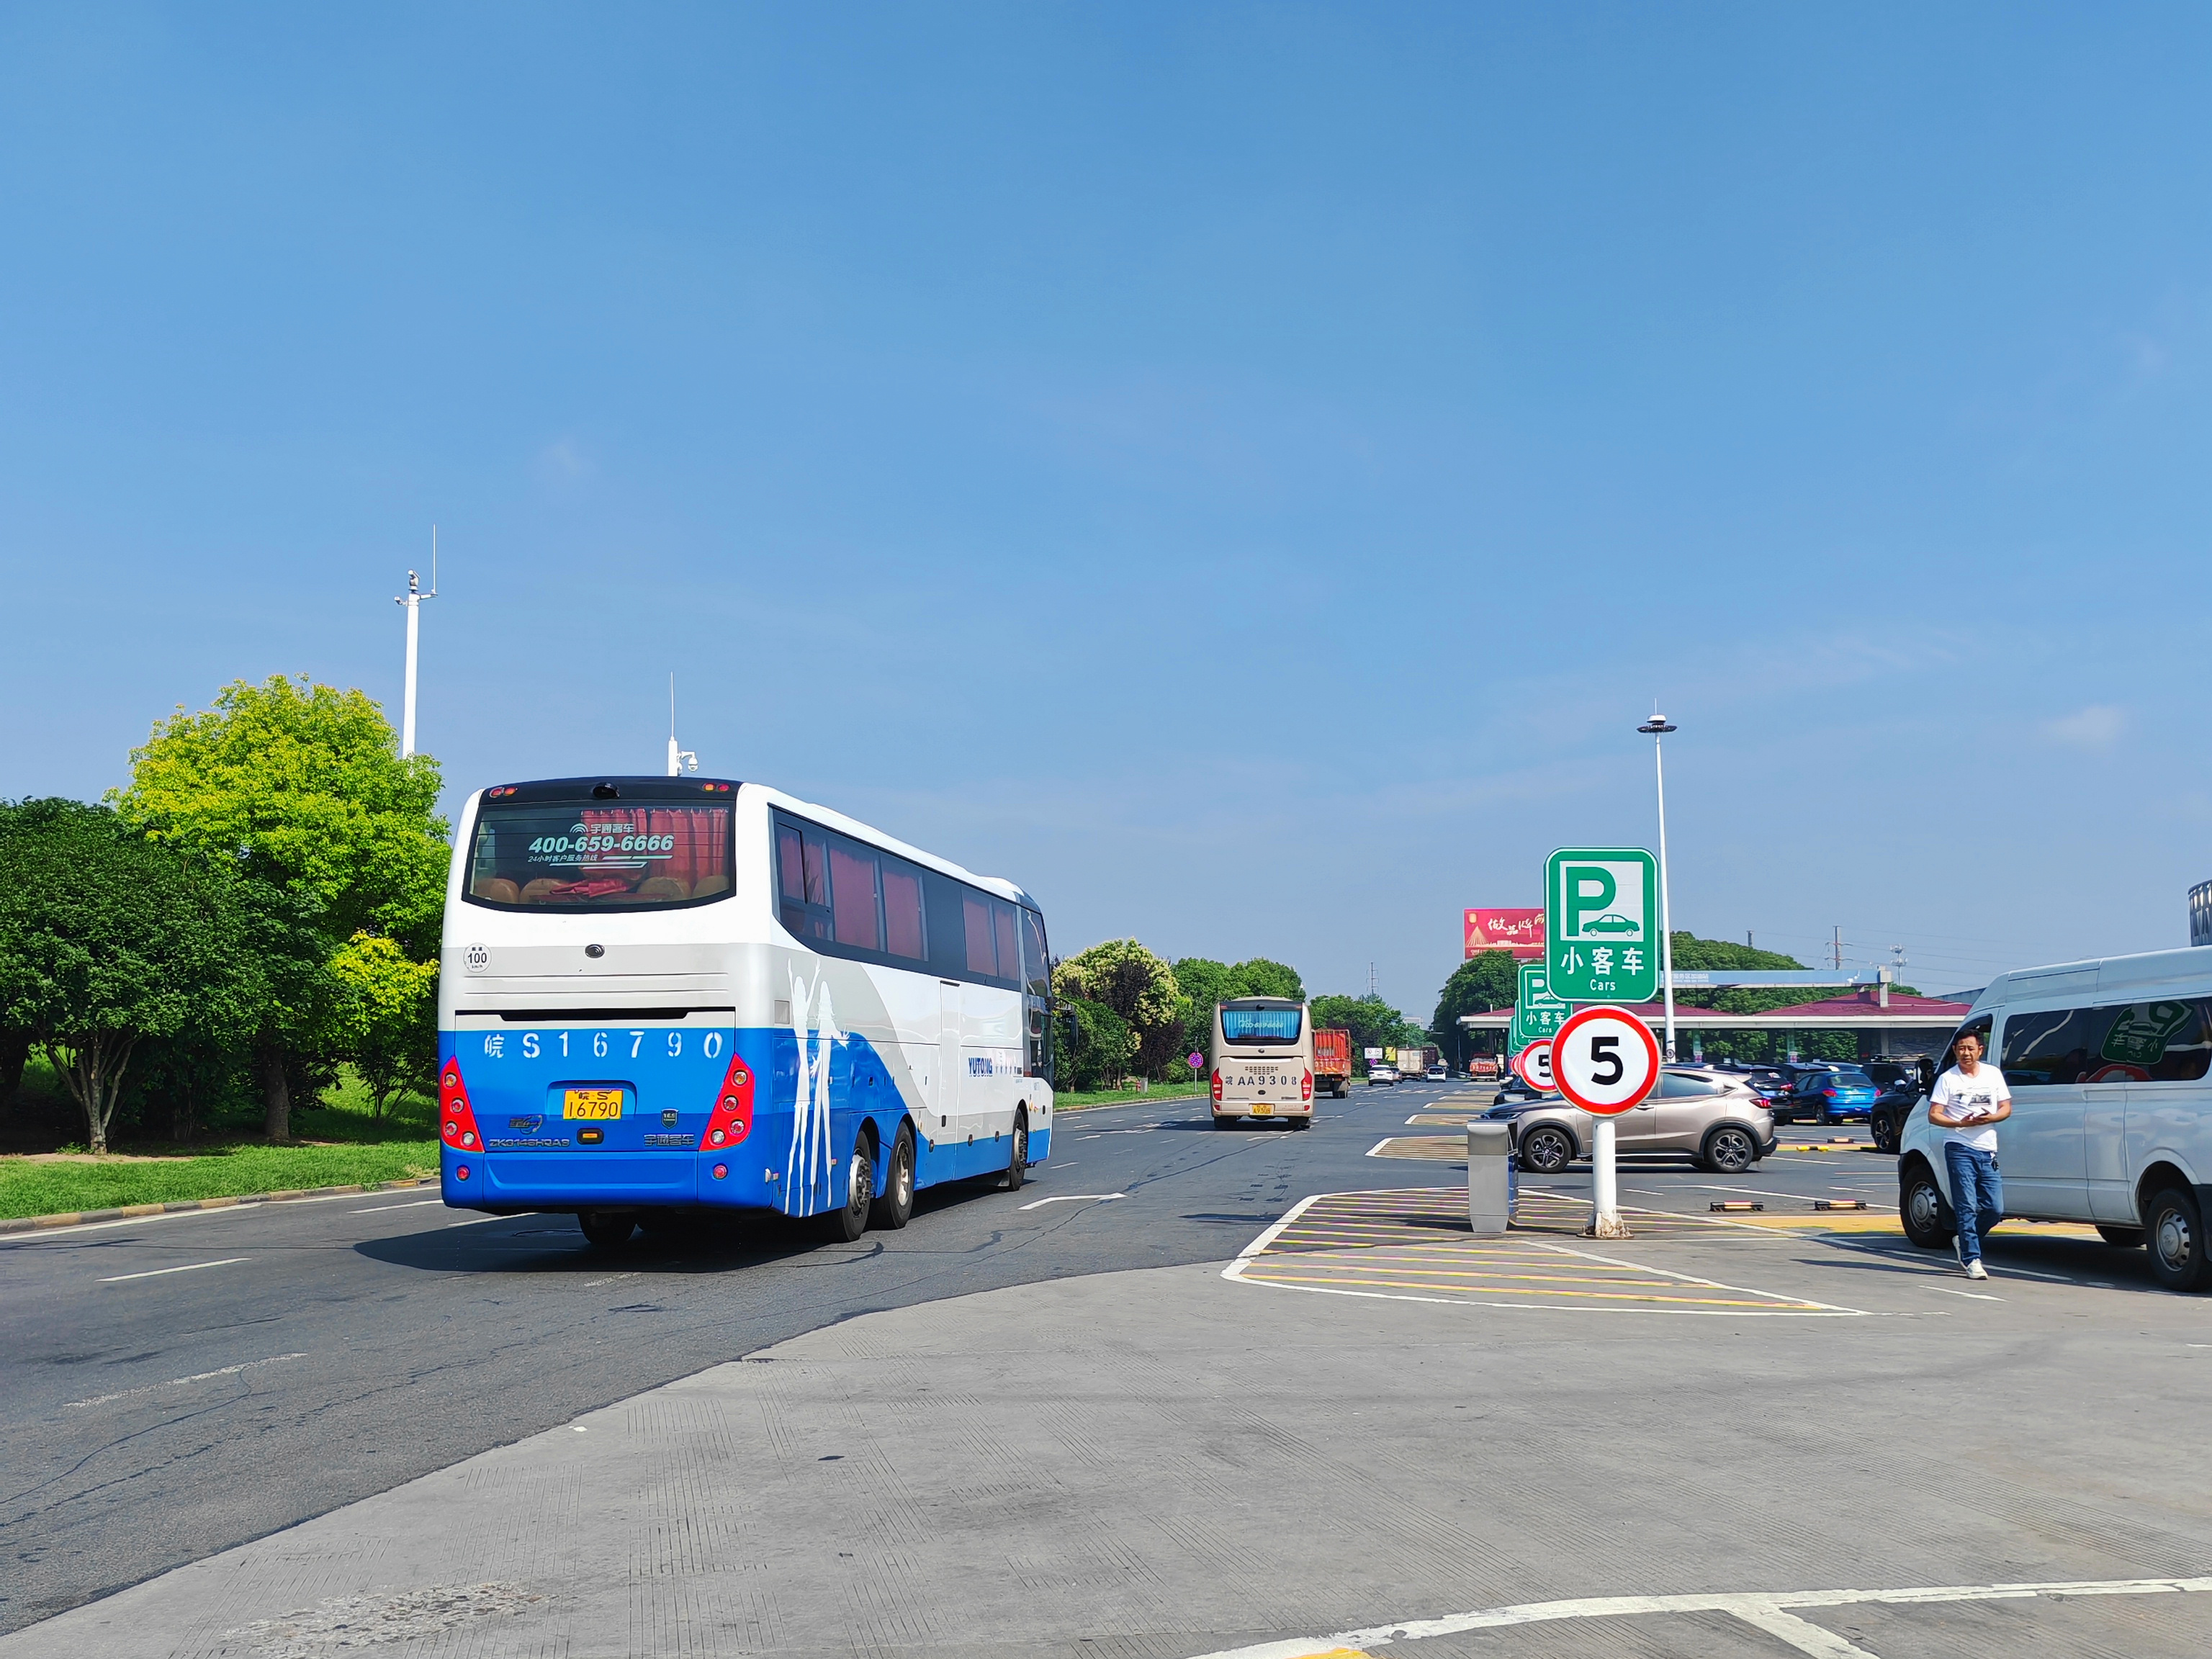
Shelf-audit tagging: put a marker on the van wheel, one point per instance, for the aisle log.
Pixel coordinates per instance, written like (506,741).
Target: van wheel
(1920,1205)
(1017,1165)
(895,1207)
(2175,1233)
(1729,1151)
(850,1219)
(1300,1122)
(2125,1238)
(1547,1150)
(606,1229)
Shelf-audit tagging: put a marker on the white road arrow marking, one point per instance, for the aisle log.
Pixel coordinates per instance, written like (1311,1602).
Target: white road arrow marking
(1075,1198)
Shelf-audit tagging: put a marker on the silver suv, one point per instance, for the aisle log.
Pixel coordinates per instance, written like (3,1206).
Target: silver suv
(1720,1121)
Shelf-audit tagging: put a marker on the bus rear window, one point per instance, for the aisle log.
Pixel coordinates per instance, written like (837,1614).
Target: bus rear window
(1261,1024)
(599,855)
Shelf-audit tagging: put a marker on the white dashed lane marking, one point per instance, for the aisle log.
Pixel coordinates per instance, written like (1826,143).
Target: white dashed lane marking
(189,1267)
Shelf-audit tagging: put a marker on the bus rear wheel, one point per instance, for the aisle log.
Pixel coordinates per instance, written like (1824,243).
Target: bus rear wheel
(850,1219)
(606,1229)
(892,1211)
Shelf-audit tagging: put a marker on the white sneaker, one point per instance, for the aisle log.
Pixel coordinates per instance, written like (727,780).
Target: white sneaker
(1975,1270)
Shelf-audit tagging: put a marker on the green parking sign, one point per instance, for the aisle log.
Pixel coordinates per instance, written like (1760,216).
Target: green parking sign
(1536,1012)
(1602,925)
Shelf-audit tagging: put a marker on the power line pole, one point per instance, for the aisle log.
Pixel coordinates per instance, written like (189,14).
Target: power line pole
(1836,950)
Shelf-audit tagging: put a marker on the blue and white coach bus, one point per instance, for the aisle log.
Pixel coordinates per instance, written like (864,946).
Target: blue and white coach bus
(670,995)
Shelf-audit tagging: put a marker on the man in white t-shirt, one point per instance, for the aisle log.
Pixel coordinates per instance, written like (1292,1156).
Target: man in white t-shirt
(1967,1103)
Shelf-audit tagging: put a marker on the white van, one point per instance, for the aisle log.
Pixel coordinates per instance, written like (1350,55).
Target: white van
(2111,1108)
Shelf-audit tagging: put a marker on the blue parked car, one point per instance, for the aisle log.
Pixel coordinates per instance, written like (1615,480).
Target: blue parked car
(1838,1094)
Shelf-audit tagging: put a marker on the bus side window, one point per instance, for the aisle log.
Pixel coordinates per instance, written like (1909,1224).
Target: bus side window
(903,929)
(975,913)
(790,864)
(818,873)
(1002,927)
(1036,966)
(852,885)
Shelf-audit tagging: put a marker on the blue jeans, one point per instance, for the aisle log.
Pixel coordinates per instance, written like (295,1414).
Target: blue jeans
(1976,1194)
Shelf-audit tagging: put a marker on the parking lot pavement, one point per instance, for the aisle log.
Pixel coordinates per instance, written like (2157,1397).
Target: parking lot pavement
(1865,1458)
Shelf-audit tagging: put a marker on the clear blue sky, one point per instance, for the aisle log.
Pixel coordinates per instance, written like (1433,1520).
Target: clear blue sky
(1242,471)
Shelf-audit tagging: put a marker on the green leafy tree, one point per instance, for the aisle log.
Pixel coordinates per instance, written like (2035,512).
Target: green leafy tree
(388,1012)
(107,940)
(1097,1044)
(1139,987)
(1205,982)
(1487,980)
(300,788)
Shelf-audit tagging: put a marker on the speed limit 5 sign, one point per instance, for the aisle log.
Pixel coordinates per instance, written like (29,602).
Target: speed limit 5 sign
(1533,1065)
(1605,1059)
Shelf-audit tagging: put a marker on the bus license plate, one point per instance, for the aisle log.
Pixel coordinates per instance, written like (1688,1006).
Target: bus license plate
(591,1102)
(1263,1109)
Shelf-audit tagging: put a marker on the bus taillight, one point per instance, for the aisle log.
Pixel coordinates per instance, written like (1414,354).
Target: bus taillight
(1305,1086)
(1217,1088)
(457,1122)
(732,1118)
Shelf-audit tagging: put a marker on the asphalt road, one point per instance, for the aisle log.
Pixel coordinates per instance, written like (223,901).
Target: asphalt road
(171,1387)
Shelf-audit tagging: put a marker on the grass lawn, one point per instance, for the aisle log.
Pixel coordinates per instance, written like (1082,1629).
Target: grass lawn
(347,1147)
(28,1189)
(1071,1100)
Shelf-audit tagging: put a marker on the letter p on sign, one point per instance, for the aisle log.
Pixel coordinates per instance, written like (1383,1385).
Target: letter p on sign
(1589,892)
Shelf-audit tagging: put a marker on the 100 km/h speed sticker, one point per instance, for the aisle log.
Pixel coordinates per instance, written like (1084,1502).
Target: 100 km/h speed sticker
(1605,1059)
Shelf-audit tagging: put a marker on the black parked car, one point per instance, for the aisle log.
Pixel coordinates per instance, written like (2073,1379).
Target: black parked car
(1902,1084)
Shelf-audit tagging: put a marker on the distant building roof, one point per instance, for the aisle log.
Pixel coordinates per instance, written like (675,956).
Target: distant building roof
(1869,1001)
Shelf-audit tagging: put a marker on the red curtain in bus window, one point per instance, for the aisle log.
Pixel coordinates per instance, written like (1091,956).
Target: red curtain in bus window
(853,897)
(698,850)
(903,913)
(975,913)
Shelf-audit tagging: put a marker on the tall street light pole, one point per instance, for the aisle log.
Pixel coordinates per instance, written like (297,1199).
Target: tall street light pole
(1658,727)
(411,601)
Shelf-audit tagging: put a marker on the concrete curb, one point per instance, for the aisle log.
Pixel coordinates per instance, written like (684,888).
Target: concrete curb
(129,1212)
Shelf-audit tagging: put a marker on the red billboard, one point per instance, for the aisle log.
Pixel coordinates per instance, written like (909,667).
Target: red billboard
(1520,932)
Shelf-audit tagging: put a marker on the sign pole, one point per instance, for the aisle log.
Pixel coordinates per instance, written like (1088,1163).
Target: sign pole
(1605,1198)
(1605,1060)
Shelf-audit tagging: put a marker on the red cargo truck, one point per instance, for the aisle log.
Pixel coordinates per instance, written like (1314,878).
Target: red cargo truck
(1331,1061)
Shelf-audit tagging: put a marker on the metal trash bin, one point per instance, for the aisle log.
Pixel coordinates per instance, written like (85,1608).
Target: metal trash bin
(1489,1176)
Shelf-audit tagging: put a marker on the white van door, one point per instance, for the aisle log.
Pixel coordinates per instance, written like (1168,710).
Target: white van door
(2164,1047)
(2045,1055)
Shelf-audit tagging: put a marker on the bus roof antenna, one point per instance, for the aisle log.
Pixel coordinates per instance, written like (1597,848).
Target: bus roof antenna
(679,760)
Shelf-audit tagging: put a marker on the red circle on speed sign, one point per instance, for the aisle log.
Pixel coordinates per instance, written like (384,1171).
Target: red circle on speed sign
(1605,1059)
(1533,1065)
